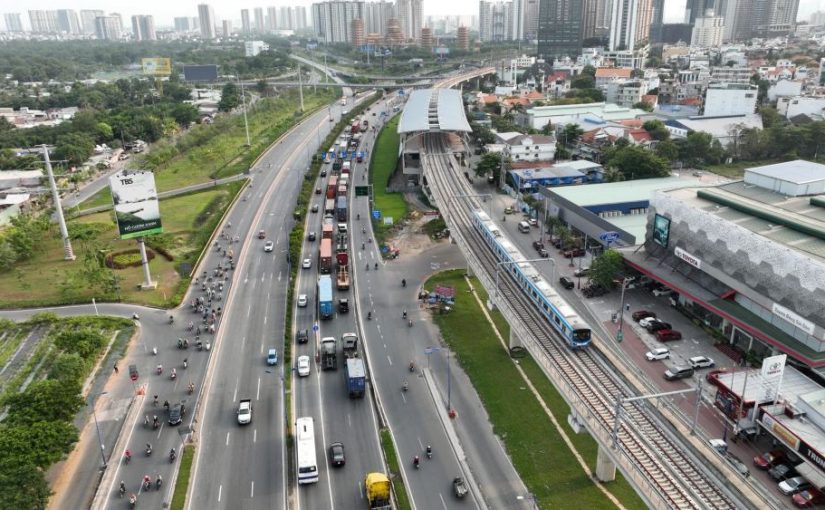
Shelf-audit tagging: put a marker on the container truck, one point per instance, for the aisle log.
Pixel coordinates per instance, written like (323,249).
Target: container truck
(356,377)
(325,296)
(325,262)
(332,186)
(328,355)
(343,278)
(342,209)
(329,206)
(345,168)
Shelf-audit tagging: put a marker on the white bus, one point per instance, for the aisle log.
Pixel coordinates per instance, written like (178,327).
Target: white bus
(305,435)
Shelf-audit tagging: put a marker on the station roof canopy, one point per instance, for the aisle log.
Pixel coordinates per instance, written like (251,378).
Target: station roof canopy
(434,110)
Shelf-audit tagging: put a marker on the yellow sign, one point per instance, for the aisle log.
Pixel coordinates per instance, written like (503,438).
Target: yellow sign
(156,66)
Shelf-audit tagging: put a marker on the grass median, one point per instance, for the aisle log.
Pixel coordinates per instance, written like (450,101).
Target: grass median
(383,162)
(536,447)
(182,481)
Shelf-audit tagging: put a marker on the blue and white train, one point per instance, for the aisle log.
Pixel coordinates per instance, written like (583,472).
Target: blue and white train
(558,313)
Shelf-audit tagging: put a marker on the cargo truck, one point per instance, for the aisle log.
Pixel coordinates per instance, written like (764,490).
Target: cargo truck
(342,209)
(350,341)
(325,263)
(332,186)
(343,278)
(341,256)
(356,377)
(325,296)
(378,490)
(327,231)
(328,355)
(329,206)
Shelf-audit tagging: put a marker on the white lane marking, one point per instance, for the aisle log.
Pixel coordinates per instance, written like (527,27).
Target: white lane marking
(227,439)
(258,393)
(243,341)
(160,430)
(279,276)
(265,319)
(220,491)
(235,393)
(389,360)
(443,504)
(255,436)
(252,490)
(248,311)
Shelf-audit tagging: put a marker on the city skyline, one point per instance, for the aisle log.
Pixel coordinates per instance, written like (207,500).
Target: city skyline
(165,12)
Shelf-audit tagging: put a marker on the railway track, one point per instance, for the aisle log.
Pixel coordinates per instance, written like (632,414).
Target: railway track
(673,473)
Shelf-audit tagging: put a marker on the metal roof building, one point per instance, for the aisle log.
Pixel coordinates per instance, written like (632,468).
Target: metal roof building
(792,178)
(434,110)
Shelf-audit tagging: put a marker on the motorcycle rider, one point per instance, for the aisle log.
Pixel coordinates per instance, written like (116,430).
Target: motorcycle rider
(172,454)
(404,282)
(416,461)
(404,314)
(148,448)
(158,482)
(429,451)
(122,488)
(147,482)
(405,386)
(369,316)
(127,455)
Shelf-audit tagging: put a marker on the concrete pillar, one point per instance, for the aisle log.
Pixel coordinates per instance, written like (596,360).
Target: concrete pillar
(605,469)
(470,271)
(514,341)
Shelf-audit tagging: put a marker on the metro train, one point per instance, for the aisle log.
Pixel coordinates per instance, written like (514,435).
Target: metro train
(558,312)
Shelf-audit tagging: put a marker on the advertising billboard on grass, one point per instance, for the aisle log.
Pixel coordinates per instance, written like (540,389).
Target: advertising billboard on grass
(661,230)
(156,66)
(135,198)
(200,73)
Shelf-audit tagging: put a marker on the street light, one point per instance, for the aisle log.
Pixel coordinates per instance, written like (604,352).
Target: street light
(97,426)
(620,333)
(529,496)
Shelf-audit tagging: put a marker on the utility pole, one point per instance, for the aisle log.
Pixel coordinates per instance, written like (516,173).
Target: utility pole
(68,253)
(245,121)
(300,88)
(326,71)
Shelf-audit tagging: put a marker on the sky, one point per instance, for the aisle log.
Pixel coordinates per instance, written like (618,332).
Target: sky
(165,10)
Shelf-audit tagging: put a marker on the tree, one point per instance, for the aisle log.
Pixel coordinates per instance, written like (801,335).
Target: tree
(583,81)
(643,105)
(606,267)
(657,130)
(75,147)
(482,134)
(636,163)
(262,86)
(22,483)
(668,150)
(490,164)
(230,97)
(47,400)
(42,442)
(571,133)
(770,117)
(7,256)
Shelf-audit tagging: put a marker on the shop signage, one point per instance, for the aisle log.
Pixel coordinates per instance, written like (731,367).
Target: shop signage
(687,257)
(783,313)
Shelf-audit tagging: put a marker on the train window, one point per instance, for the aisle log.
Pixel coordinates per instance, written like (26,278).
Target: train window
(546,308)
(556,318)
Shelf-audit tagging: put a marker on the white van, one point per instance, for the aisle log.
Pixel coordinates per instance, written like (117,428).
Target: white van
(523,227)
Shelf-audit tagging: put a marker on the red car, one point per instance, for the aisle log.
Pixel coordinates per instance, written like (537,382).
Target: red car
(666,335)
(642,314)
(769,459)
(808,498)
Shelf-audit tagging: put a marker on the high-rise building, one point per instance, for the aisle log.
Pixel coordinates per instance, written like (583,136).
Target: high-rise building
(246,26)
(186,24)
(426,38)
(394,34)
(708,30)
(332,20)
(560,28)
(259,20)
(494,21)
(87,20)
(410,16)
(43,22)
(143,28)
(272,18)
(300,17)
(226,25)
(530,24)
(357,32)
(108,28)
(517,20)
(376,16)
(206,20)
(13,22)
(630,23)
(745,19)
(463,38)
(817,19)
(285,18)
(68,21)
(593,19)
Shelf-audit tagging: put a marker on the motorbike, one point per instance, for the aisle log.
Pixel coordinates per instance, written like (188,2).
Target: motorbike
(172,455)
(429,452)
(147,485)
(376,266)
(171,320)
(191,388)
(369,316)
(154,351)
(173,375)
(403,283)
(416,462)
(185,363)
(148,450)
(159,369)
(127,457)
(132,501)
(158,483)
(155,426)
(405,386)
(412,366)
(122,489)
(136,316)
(409,323)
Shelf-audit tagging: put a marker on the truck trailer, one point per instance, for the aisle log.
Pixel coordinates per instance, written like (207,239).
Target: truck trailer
(356,377)
(343,278)
(325,296)
(325,263)
(341,209)
(329,360)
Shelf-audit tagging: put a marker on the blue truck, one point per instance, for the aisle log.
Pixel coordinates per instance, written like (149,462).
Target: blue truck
(356,377)
(325,296)
(341,209)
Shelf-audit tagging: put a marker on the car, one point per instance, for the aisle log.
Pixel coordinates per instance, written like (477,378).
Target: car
(312,236)
(658,326)
(639,315)
(645,322)
(538,245)
(791,486)
(664,291)
(314,208)
(782,471)
(303,366)
(808,498)
(245,411)
(323,173)
(336,454)
(318,191)
(343,305)
(581,272)
(657,354)
(269,246)
(575,252)
(509,209)
(261,234)
(306,264)
(544,253)
(302,300)
(344,112)
(533,222)
(678,372)
(701,362)
(769,459)
(667,335)
(594,291)
(566,282)
(176,413)
(302,336)
(721,448)
(272,357)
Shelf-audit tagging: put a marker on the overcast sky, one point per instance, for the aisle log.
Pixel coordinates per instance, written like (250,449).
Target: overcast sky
(165,10)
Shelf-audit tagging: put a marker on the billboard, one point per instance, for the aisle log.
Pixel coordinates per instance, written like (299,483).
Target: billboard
(661,230)
(200,73)
(136,203)
(156,66)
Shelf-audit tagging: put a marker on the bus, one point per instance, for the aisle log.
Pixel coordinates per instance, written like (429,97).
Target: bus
(305,439)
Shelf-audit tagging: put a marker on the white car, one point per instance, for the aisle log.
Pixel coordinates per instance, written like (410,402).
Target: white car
(657,354)
(306,264)
(302,300)
(701,362)
(269,246)
(664,291)
(647,321)
(303,366)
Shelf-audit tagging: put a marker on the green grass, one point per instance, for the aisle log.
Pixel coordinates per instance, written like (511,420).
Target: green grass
(536,448)
(737,169)
(395,471)
(182,482)
(225,153)
(382,166)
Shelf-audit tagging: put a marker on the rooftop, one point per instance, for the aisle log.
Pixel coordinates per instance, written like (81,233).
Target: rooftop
(794,384)
(619,192)
(798,171)
(613,72)
(433,110)
(547,172)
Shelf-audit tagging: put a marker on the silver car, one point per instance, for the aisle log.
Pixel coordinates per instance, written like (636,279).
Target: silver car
(793,485)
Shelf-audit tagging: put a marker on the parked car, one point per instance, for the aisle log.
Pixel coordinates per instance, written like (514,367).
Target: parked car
(269,246)
(302,300)
(647,320)
(642,314)
(302,336)
(769,459)
(581,272)
(538,245)
(657,354)
(793,485)
(781,471)
(303,366)
(683,372)
(664,291)
(323,173)
(317,191)
(594,290)
(667,335)
(543,253)
(533,222)
(575,252)
(336,454)
(272,357)
(701,362)
(566,282)
(658,326)
(808,498)
(311,236)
